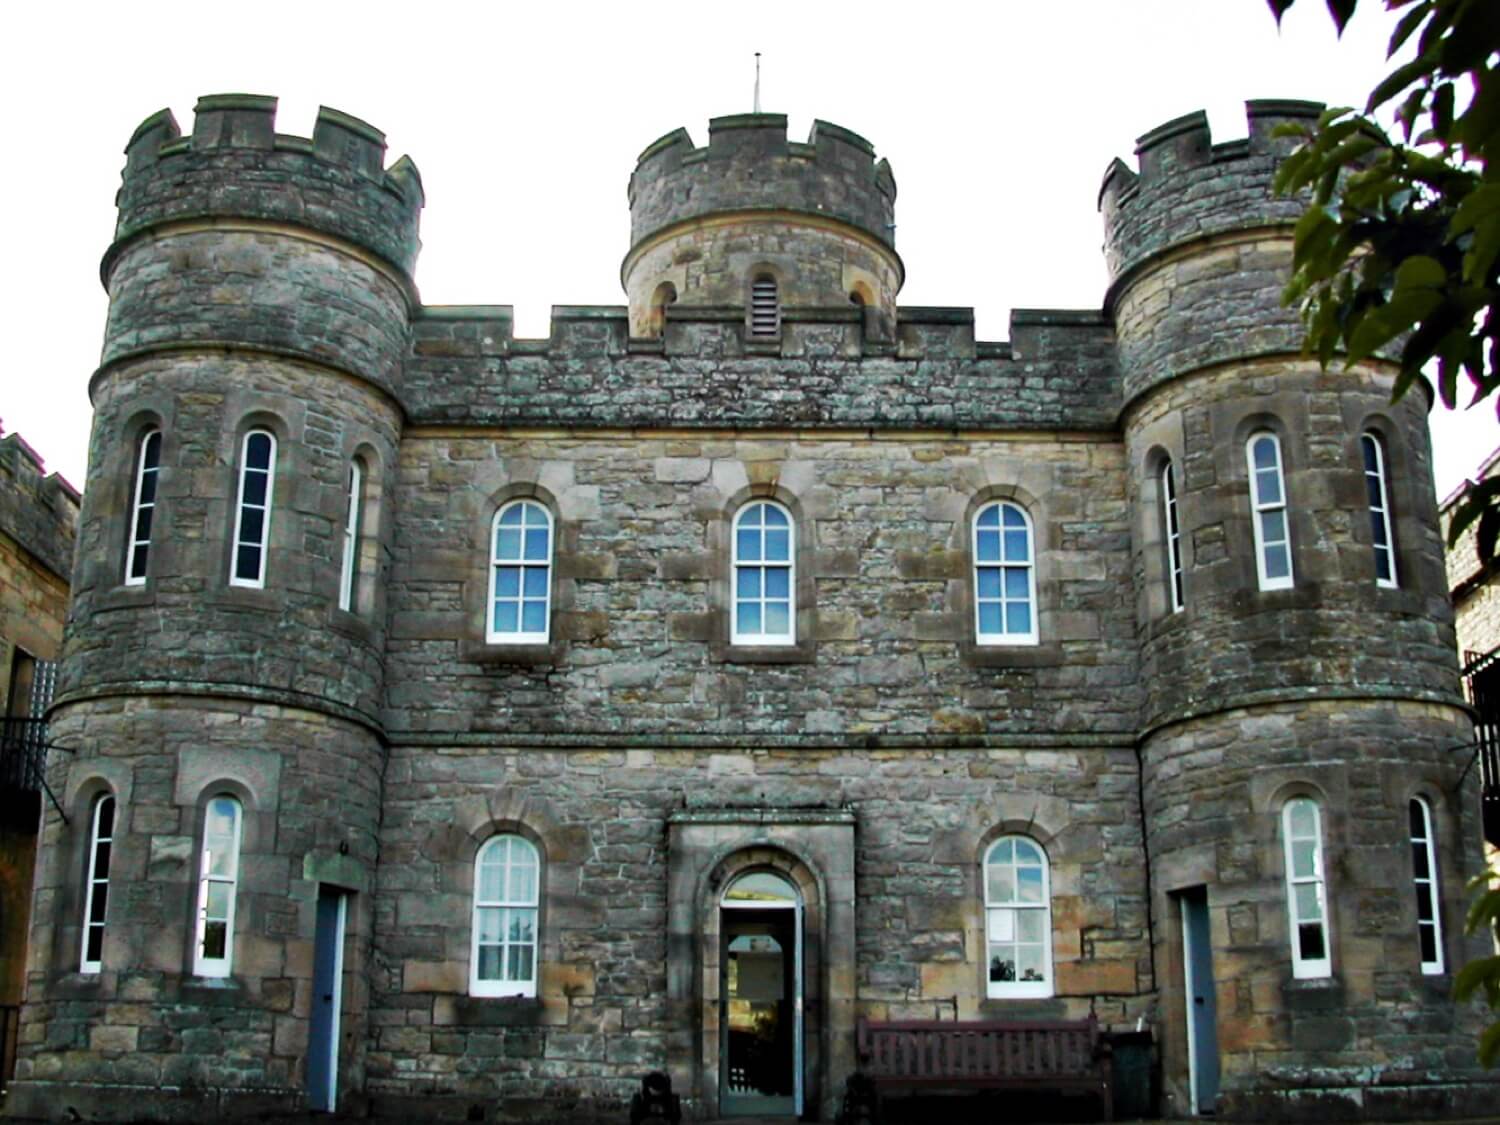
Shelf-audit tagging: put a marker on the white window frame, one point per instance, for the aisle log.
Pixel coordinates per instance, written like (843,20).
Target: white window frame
(1424,844)
(765,305)
(240,506)
(506,903)
(1004,914)
(349,570)
(222,966)
(1261,510)
(96,890)
(1378,498)
(1306,968)
(1172,537)
(1003,565)
(762,566)
(142,508)
(520,635)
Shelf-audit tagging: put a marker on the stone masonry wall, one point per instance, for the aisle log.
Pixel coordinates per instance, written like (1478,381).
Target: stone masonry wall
(1377,1038)
(640,633)
(601,1017)
(1476,593)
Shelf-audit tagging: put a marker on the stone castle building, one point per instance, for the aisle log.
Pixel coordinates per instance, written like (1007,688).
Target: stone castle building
(474,723)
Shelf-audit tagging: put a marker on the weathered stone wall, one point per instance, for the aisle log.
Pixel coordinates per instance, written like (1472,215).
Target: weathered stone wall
(885,639)
(310,788)
(601,1018)
(1057,372)
(1377,1038)
(1476,593)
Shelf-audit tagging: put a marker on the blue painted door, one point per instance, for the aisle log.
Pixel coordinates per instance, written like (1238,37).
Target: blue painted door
(1202,1015)
(328,972)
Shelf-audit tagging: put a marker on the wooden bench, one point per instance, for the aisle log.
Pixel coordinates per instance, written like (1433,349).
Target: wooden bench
(918,1055)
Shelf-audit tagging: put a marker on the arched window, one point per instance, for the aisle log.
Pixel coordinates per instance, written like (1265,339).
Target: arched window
(664,296)
(1273,539)
(218,882)
(1425,877)
(1004,576)
(764,580)
(765,306)
(1171,536)
(1378,497)
(520,574)
(96,890)
(353,511)
(503,953)
(143,507)
(252,513)
(1017,919)
(1307,896)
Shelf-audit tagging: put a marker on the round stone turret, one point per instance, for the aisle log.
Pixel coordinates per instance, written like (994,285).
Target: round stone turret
(707,224)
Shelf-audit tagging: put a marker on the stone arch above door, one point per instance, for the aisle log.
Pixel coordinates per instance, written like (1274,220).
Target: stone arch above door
(814,849)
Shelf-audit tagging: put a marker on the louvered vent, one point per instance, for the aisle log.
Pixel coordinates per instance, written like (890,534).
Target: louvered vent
(765,315)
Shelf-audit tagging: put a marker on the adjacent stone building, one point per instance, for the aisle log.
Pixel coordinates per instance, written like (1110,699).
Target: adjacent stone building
(38,521)
(476,723)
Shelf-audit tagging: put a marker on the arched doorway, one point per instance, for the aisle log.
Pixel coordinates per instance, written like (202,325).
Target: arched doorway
(761,996)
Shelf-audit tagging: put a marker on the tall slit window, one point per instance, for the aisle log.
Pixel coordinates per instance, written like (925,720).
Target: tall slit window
(764,583)
(1424,876)
(143,507)
(1172,535)
(1307,896)
(1273,541)
(252,516)
(1004,576)
(218,881)
(503,954)
(96,892)
(349,572)
(1018,919)
(765,306)
(1378,496)
(520,574)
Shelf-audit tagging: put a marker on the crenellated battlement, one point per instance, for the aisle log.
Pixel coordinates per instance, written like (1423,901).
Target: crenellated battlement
(1187,186)
(750,164)
(235,164)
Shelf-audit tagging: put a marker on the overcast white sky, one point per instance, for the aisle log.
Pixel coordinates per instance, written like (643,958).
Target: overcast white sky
(998,118)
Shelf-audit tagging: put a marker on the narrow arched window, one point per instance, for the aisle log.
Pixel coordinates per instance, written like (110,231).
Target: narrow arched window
(96,889)
(503,953)
(765,306)
(143,507)
(664,296)
(1377,494)
(1273,540)
(252,514)
(1004,576)
(1425,877)
(764,578)
(1307,896)
(353,509)
(1017,919)
(1171,536)
(520,574)
(218,882)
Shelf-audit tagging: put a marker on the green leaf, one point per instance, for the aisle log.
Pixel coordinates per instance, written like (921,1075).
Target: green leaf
(1409,23)
(1420,272)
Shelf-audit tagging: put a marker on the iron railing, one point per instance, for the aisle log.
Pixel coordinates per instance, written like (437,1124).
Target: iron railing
(23,754)
(1482,676)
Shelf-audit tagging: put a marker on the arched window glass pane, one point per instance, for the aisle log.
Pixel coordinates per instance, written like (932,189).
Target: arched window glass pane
(1273,543)
(521,574)
(96,891)
(218,880)
(1307,903)
(1018,919)
(252,518)
(143,510)
(1377,494)
(1004,576)
(764,581)
(760,888)
(349,572)
(507,887)
(1425,879)
(1171,536)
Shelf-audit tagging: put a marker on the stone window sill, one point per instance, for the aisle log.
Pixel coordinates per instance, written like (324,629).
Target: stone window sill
(526,656)
(1012,656)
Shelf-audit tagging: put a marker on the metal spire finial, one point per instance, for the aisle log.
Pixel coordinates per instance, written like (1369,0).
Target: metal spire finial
(757,81)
